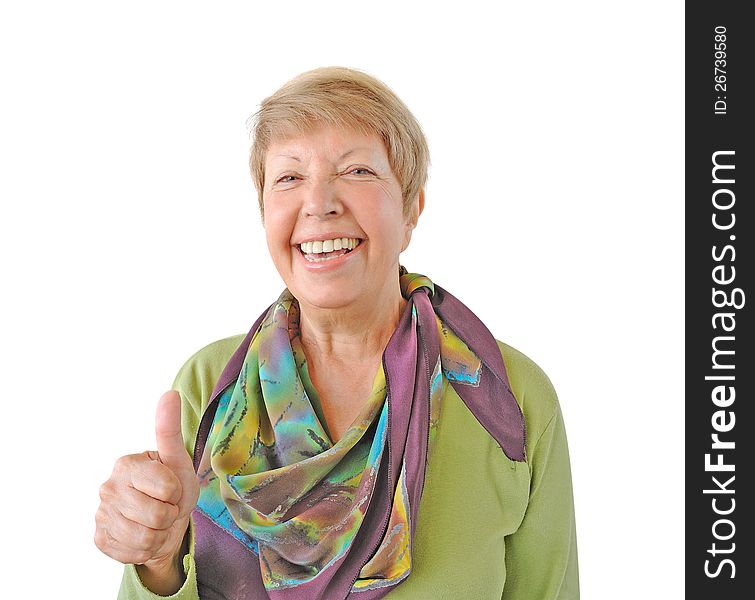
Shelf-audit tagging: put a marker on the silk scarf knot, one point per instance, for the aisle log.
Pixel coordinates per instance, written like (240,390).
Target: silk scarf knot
(411,282)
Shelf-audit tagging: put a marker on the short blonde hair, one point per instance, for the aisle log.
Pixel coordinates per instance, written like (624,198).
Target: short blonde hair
(347,98)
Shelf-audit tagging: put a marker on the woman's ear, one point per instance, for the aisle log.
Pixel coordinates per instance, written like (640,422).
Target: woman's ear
(420,204)
(411,220)
(417,207)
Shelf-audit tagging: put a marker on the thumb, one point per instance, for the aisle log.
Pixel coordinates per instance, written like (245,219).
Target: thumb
(170,442)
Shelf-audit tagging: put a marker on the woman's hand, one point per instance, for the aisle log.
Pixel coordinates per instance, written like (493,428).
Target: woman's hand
(147,502)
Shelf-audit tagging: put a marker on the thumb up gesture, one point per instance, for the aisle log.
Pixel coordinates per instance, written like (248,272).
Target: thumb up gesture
(147,502)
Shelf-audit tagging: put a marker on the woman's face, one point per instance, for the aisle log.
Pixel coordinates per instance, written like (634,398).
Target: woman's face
(327,190)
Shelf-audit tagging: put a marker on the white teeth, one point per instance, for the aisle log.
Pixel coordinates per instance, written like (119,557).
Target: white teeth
(323,246)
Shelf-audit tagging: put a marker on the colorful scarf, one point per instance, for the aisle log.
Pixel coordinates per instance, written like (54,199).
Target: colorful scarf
(330,519)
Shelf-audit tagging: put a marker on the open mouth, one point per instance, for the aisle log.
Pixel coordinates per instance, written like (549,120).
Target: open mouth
(324,250)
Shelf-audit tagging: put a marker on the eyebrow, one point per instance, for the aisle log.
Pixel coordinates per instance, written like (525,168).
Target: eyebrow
(344,155)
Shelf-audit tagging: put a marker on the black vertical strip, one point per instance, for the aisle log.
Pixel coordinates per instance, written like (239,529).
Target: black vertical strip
(720,295)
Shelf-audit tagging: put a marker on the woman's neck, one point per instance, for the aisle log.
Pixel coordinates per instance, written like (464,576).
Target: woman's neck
(353,334)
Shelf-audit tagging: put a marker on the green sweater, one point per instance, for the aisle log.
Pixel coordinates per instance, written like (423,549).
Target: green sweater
(488,527)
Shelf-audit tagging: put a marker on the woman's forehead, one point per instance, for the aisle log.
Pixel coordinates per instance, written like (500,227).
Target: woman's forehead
(334,143)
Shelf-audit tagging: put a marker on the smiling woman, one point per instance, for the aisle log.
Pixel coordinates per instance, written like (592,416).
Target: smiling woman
(368,437)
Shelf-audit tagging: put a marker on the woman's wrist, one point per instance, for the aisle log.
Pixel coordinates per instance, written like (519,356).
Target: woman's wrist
(163,581)
(165,578)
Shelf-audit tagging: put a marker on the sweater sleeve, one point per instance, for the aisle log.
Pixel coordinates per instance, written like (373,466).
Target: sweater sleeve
(541,556)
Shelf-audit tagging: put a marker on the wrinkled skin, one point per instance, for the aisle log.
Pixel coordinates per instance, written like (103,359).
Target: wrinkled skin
(147,502)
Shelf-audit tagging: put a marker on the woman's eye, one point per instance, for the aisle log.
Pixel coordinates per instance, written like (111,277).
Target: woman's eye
(286,179)
(364,171)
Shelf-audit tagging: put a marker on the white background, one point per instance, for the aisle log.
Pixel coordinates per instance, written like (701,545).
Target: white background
(130,235)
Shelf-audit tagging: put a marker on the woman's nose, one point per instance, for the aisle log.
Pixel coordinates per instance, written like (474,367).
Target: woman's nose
(321,200)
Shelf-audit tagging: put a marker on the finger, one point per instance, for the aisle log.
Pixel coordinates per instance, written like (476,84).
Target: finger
(147,510)
(124,540)
(115,550)
(170,442)
(130,536)
(155,479)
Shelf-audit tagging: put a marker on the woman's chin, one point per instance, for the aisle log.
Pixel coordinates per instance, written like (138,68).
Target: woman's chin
(328,297)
